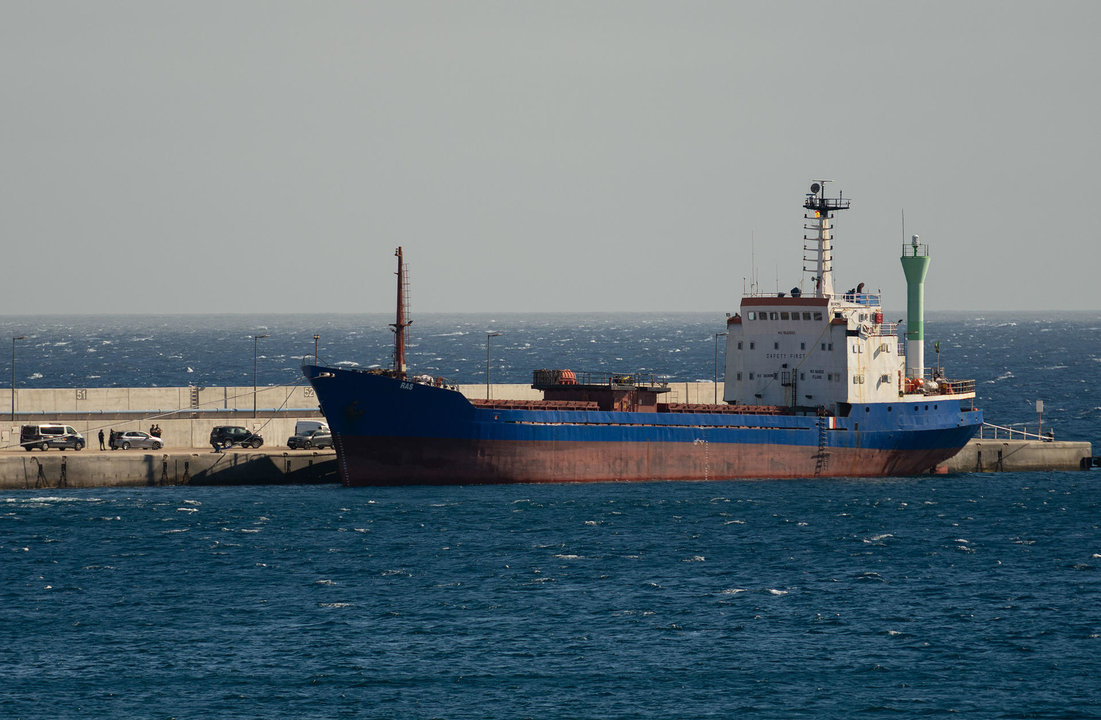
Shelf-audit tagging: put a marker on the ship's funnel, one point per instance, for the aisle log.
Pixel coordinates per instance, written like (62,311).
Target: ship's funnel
(915,263)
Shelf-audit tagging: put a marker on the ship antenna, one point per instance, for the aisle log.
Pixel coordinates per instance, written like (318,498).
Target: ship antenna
(400,323)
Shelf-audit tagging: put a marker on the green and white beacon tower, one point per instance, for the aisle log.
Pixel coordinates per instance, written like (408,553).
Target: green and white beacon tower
(915,263)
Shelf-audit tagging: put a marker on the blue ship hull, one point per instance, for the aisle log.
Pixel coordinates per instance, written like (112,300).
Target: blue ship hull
(389,431)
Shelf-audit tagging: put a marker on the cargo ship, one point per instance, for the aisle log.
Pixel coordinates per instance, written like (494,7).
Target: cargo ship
(817,384)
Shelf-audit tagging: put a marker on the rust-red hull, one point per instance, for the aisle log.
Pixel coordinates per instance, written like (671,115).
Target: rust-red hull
(414,461)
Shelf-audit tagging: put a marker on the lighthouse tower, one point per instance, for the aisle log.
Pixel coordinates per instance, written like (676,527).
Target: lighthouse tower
(915,263)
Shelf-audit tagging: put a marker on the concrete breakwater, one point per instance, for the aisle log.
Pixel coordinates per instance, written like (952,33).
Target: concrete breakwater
(29,471)
(987,455)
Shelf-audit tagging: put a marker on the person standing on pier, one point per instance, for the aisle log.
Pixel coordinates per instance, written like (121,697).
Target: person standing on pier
(101,445)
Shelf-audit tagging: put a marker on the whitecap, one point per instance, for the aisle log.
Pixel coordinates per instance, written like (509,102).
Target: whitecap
(570,557)
(187,510)
(695,558)
(773,591)
(732,591)
(336,605)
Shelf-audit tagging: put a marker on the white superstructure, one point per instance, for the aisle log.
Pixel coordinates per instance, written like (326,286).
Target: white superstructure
(814,351)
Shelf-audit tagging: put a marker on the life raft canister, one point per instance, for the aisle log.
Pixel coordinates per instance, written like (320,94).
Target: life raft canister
(878,317)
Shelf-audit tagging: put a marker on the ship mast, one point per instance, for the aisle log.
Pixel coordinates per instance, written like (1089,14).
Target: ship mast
(400,322)
(820,208)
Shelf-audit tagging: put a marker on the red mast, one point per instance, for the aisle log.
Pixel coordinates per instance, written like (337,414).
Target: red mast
(400,323)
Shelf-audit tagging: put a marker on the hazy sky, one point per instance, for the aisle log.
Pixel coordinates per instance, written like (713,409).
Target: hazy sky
(555,156)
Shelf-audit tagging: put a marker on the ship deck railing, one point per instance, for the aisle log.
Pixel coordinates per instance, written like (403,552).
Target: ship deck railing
(535,404)
(950,386)
(590,405)
(850,298)
(882,329)
(990,431)
(726,409)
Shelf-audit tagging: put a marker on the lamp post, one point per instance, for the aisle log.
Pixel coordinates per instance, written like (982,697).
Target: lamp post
(21,337)
(254,339)
(717,336)
(488,336)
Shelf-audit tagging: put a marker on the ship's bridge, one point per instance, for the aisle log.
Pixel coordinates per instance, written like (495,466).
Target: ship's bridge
(809,353)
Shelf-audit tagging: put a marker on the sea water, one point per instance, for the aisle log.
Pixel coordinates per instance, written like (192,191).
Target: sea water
(975,595)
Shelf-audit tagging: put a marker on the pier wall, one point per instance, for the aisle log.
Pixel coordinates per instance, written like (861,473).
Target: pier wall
(29,471)
(1020,456)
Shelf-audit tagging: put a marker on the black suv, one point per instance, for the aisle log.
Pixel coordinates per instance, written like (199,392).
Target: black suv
(226,436)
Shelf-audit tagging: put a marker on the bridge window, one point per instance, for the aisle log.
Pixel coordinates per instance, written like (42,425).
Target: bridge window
(784,316)
(818,316)
(751,315)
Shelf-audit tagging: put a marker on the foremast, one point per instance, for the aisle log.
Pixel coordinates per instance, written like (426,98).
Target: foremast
(401,321)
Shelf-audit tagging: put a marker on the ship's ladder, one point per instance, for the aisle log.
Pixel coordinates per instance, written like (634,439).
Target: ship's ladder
(822,458)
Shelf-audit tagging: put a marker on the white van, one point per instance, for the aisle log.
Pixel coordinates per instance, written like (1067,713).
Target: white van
(47,435)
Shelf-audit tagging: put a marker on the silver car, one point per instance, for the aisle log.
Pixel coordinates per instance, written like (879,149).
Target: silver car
(136,439)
